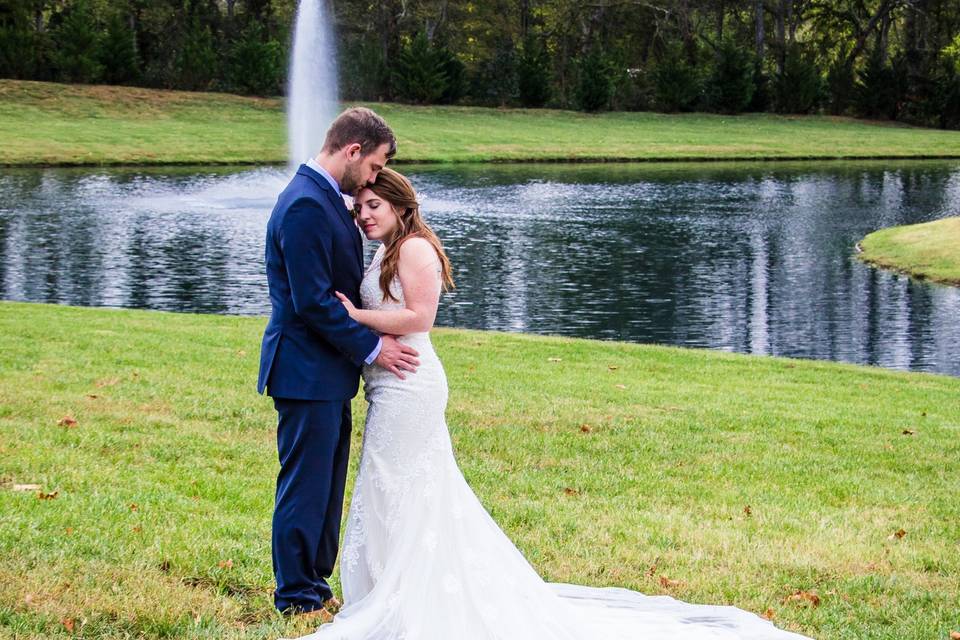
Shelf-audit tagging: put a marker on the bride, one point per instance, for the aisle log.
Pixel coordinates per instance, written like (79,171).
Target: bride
(422,559)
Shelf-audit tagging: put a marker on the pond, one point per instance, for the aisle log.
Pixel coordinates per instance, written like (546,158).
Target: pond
(748,257)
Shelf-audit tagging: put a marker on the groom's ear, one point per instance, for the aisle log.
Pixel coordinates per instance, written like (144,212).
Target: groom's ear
(353,151)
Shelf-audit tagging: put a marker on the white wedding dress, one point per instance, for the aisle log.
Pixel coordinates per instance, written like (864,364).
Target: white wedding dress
(422,559)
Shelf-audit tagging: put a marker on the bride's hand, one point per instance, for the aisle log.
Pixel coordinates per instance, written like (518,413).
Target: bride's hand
(352,310)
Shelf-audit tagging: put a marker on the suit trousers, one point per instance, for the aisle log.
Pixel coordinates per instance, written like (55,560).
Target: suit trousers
(313,441)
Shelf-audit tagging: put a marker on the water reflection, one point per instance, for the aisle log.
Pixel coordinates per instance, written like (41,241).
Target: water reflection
(752,258)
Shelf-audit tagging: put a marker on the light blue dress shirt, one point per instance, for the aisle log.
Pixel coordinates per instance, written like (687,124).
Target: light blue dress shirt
(313,164)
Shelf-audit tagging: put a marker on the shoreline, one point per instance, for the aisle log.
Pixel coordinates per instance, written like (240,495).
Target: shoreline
(928,252)
(494,161)
(790,361)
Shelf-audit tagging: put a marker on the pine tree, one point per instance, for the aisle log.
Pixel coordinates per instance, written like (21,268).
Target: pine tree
(118,53)
(677,84)
(595,81)
(77,41)
(419,74)
(799,88)
(533,73)
(876,90)
(730,86)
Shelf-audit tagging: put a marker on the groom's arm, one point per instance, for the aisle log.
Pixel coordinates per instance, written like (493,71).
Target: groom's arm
(306,241)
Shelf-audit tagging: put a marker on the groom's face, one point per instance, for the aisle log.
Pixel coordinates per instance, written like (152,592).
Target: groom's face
(362,170)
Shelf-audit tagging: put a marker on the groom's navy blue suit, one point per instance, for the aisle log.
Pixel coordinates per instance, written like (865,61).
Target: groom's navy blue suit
(310,364)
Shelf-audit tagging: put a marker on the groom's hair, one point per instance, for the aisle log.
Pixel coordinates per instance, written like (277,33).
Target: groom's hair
(363,126)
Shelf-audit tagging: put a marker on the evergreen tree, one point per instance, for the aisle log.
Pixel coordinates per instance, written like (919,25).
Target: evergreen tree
(730,87)
(419,74)
(76,44)
(494,81)
(876,90)
(677,84)
(595,81)
(255,65)
(533,73)
(196,64)
(456,74)
(799,89)
(841,86)
(118,53)
(19,44)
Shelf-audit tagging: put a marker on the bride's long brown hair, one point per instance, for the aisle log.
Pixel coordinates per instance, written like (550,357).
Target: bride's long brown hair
(400,195)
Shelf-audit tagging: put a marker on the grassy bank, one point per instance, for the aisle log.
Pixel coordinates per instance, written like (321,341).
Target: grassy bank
(929,251)
(712,477)
(46,123)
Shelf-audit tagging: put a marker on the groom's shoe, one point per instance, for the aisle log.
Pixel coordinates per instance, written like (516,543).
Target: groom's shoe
(332,605)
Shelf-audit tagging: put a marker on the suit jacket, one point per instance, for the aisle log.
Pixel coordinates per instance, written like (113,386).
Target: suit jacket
(312,349)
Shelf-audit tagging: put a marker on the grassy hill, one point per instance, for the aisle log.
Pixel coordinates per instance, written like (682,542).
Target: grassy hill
(56,124)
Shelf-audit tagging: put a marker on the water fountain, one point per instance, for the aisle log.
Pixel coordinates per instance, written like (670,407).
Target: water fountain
(311,106)
(312,90)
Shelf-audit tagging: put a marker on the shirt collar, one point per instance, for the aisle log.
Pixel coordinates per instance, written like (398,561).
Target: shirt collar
(313,164)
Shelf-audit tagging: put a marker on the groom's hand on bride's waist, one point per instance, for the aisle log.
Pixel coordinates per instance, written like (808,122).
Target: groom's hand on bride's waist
(397,357)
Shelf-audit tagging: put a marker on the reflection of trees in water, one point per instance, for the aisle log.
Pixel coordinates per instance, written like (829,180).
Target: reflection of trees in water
(755,259)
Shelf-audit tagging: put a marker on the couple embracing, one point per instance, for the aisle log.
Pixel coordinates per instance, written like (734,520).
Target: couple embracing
(421,558)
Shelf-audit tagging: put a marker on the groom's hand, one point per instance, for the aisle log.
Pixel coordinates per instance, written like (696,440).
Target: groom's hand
(397,357)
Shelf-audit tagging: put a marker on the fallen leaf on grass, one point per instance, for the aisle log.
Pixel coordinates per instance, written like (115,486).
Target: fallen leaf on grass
(768,614)
(133,506)
(652,571)
(909,432)
(802,597)
(554,360)
(613,367)
(585,428)
(747,511)
(67,421)
(26,487)
(225,564)
(570,491)
(165,566)
(68,624)
(667,583)
(136,529)
(621,386)
(47,496)
(92,396)
(899,533)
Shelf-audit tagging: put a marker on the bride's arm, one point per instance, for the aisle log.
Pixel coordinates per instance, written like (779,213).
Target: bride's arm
(418,270)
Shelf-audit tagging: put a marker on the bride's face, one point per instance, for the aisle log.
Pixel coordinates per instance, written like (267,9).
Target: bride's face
(376,216)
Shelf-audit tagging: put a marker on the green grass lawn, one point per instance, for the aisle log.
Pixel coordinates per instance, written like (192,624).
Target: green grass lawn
(929,251)
(46,123)
(715,478)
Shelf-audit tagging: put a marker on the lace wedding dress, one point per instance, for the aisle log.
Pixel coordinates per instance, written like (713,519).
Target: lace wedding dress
(422,559)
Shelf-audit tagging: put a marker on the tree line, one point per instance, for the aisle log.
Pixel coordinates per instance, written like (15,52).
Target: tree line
(885,59)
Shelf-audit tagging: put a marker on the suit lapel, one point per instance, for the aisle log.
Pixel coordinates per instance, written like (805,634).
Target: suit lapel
(340,207)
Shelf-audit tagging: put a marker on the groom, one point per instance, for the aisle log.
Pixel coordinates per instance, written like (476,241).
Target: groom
(312,351)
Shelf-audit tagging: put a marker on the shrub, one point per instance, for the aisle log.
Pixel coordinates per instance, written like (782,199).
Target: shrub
(419,74)
(254,65)
(118,52)
(799,89)
(730,87)
(677,83)
(533,73)
(595,81)
(76,40)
